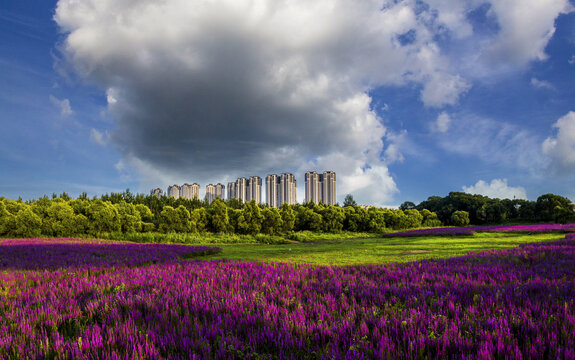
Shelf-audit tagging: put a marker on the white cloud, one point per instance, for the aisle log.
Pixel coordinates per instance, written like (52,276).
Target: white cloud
(226,88)
(571,60)
(525,29)
(542,84)
(63,105)
(498,188)
(98,137)
(561,148)
(444,89)
(442,123)
(233,88)
(494,142)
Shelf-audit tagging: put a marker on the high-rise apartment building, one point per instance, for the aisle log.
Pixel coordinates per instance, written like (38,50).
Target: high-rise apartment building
(272,190)
(231,190)
(287,189)
(210,193)
(220,191)
(242,189)
(254,189)
(328,188)
(281,189)
(190,191)
(214,191)
(312,187)
(245,189)
(174,191)
(158,192)
(320,188)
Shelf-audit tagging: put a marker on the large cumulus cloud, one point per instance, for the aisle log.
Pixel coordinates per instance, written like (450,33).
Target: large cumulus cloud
(207,90)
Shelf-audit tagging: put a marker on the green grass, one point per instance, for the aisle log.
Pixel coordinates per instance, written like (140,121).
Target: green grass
(331,249)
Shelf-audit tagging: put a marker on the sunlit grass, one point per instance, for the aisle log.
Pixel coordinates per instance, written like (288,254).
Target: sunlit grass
(331,250)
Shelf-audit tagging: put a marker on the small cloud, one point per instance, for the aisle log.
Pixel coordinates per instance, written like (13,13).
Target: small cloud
(561,148)
(571,61)
(497,189)
(541,84)
(393,152)
(63,105)
(442,123)
(99,137)
(120,166)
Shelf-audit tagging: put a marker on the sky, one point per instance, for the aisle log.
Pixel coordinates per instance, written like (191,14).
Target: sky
(402,99)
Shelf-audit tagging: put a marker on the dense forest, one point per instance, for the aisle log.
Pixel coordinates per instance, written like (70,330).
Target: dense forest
(132,213)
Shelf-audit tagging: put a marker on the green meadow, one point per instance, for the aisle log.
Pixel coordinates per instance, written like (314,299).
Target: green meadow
(344,249)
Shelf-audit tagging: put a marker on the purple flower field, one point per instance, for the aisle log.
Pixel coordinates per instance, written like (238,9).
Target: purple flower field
(469,230)
(511,304)
(84,253)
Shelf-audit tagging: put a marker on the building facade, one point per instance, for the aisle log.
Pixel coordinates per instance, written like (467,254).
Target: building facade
(190,191)
(242,189)
(231,190)
(272,190)
(220,191)
(312,187)
(174,191)
(158,192)
(320,188)
(288,189)
(328,188)
(214,191)
(281,189)
(254,189)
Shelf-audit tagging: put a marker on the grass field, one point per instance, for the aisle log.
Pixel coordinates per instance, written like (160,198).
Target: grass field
(330,249)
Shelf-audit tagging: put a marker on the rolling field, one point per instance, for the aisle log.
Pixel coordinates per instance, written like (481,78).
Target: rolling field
(93,299)
(371,249)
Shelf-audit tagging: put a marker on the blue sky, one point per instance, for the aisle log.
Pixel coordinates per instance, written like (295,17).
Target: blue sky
(403,99)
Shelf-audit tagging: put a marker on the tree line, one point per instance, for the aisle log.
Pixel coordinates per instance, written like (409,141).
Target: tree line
(63,216)
(481,210)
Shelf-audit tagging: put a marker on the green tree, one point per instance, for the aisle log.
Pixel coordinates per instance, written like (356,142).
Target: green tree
(252,218)
(61,220)
(272,221)
(407,205)
(550,207)
(349,201)
(218,216)
(169,219)
(28,224)
(288,217)
(429,219)
(130,219)
(199,220)
(413,218)
(7,220)
(184,220)
(376,220)
(103,217)
(460,218)
(333,218)
(145,212)
(395,219)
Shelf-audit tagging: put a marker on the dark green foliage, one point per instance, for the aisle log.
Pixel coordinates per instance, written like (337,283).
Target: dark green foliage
(460,218)
(288,218)
(483,210)
(127,213)
(218,216)
(272,221)
(349,201)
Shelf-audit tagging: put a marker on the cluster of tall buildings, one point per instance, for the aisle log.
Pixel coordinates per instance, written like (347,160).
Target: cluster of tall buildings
(320,188)
(246,189)
(280,189)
